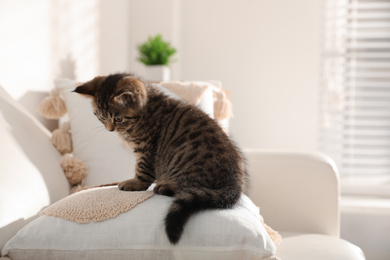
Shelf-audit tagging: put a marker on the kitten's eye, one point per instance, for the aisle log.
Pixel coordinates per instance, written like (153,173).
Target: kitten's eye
(118,119)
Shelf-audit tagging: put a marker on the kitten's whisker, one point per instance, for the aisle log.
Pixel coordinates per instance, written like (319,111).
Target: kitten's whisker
(98,130)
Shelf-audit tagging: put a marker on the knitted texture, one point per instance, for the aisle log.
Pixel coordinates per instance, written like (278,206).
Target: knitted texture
(96,204)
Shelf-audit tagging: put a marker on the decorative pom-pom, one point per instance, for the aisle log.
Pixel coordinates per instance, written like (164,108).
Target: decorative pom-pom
(62,139)
(53,106)
(222,106)
(75,170)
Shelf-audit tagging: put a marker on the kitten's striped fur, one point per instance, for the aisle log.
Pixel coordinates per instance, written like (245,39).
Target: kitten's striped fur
(177,146)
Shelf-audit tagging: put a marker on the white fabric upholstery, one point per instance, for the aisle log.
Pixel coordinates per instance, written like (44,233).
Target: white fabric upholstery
(317,247)
(30,175)
(297,192)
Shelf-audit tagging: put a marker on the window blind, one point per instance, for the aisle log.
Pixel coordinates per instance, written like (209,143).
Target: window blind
(355,86)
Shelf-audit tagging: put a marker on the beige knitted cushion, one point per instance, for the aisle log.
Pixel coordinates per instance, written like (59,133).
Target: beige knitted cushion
(96,204)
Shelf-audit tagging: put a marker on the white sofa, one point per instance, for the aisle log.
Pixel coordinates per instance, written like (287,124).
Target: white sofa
(297,193)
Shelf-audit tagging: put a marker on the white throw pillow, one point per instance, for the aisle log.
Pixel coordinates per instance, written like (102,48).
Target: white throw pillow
(199,93)
(108,159)
(139,234)
(30,175)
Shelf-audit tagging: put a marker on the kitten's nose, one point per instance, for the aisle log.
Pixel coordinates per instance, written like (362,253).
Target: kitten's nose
(110,127)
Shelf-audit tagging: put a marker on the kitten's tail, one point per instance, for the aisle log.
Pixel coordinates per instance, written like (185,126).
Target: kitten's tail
(192,200)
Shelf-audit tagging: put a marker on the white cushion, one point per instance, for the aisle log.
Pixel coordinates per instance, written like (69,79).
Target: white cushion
(312,246)
(199,93)
(104,152)
(30,175)
(139,234)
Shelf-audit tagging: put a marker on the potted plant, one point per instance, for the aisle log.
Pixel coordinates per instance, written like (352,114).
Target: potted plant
(156,54)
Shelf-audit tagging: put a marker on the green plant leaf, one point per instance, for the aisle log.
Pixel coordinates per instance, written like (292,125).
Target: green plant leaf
(155,51)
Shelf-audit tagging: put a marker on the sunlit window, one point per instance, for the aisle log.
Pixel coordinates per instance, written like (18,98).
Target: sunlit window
(355,96)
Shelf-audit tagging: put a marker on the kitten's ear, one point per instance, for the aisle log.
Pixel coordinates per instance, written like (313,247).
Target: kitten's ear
(125,98)
(131,91)
(89,88)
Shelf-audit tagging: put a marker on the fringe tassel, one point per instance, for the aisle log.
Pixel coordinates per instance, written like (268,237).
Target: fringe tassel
(273,234)
(62,139)
(75,170)
(222,105)
(53,106)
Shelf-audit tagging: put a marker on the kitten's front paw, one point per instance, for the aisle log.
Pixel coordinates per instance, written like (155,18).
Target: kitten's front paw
(129,185)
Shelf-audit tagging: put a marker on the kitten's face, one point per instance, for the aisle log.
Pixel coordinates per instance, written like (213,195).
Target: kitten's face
(117,99)
(114,118)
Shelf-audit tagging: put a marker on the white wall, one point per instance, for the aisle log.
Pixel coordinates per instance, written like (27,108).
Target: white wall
(45,39)
(25,47)
(266,53)
(115,36)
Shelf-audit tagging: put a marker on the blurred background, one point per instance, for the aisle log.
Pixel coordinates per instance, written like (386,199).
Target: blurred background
(269,54)
(266,53)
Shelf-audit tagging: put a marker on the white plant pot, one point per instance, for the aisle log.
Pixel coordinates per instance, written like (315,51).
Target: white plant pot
(157,73)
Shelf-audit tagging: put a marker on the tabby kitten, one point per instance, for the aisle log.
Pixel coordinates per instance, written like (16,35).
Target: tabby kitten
(177,146)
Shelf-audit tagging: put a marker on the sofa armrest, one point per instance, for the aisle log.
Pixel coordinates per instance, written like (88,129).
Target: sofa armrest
(296,192)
